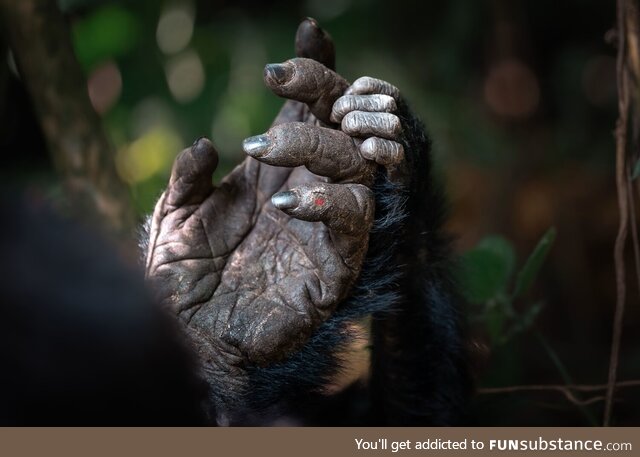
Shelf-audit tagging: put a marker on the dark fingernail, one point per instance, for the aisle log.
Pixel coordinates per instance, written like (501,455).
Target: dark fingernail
(279,73)
(195,143)
(202,144)
(256,146)
(285,200)
(312,22)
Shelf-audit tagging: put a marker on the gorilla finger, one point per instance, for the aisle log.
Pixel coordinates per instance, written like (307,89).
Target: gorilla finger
(362,124)
(191,175)
(324,151)
(370,103)
(345,208)
(307,81)
(315,43)
(383,152)
(367,85)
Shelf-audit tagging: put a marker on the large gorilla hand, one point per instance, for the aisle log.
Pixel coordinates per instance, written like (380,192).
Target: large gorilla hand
(332,217)
(253,276)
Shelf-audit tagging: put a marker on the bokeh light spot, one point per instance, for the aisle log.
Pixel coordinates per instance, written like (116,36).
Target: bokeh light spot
(148,155)
(511,89)
(185,76)
(150,113)
(175,27)
(104,86)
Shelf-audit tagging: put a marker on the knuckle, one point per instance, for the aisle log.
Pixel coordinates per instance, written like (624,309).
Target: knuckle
(371,103)
(311,140)
(351,122)
(341,107)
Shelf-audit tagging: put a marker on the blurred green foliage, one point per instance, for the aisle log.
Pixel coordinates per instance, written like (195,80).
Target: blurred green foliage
(109,32)
(437,52)
(487,274)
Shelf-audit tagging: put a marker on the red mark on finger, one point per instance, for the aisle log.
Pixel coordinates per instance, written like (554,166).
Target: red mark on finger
(319,201)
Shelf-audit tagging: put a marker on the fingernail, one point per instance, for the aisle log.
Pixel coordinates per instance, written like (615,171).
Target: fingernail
(279,73)
(256,146)
(201,144)
(312,22)
(285,200)
(195,143)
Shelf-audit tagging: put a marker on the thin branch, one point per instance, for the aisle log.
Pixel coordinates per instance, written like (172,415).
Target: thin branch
(627,50)
(567,390)
(41,42)
(566,377)
(634,228)
(579,387)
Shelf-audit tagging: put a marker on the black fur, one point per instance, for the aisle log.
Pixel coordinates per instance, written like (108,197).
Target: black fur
(81,341)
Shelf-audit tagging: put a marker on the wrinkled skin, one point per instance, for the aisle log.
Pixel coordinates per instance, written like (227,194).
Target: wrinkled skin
(252,276)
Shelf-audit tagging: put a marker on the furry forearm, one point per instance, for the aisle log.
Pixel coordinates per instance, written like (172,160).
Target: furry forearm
(419,367)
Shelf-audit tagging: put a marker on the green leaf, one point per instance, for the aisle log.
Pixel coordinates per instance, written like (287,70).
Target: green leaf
(503,248)
(487,269)
(109,32)
(529,316)
(533,264)
(523,322)
(636,170)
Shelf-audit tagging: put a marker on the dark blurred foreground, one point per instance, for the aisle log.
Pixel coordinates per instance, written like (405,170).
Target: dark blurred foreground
(81,342)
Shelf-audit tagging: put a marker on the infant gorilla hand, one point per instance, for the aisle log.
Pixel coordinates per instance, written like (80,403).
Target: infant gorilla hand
(252,276)
(366,111)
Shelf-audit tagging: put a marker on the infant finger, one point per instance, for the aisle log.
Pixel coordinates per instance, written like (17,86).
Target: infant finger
(381,151)
(345,208)
(368,85)
(362,124)
(370,103)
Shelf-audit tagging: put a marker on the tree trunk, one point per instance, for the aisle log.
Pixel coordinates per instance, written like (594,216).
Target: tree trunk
(41,42)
